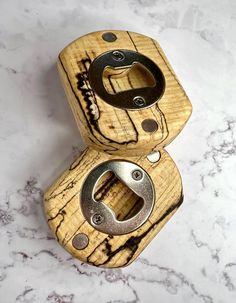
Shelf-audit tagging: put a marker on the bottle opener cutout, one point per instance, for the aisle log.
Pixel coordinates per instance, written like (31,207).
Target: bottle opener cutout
(128,104)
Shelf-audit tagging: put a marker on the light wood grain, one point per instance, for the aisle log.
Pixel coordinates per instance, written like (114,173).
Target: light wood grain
(113,130)
(63,212)
(113,133)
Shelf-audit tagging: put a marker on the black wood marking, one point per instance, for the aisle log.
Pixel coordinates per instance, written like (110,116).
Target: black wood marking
(166,64)
(131,121)
(133,209)
(132,41)
(65,242)
(105,188)
(61,211)
(163,124)
(76,163)
(90,98)
(133,242)
(134,127)
(69,186)
(110,82)
(58,226)
(111,148)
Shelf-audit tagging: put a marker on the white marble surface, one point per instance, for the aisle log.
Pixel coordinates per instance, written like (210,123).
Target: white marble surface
(194,257)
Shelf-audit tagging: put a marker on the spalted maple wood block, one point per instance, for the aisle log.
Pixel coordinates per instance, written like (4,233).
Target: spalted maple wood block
(63,208)
(115,130)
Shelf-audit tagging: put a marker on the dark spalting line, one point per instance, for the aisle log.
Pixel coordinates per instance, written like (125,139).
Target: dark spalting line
(106,187)
(111,84)
(51,196)
(110,182)
(109,152)
(78,101)
(129,81)
(133,209)
(132,41)
(69,186)
(114,90)
(167,130)
(86,91)
(58,226)
(76,163)
(87,94)
(131,121)
(156,104)
(92,160)
(65,242)
(91,140)
(153,41)
(61,211)
(134,127)
(176,79)
(132,243)
(119,87)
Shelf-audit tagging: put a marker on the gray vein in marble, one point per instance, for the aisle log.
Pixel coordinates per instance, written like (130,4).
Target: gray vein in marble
(213,252)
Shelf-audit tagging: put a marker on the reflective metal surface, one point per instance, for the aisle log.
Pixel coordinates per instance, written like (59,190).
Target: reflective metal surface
(133,99)
(99,215)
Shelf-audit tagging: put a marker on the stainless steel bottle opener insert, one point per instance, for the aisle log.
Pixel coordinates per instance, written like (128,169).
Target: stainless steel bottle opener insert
(99,215)
(132,99)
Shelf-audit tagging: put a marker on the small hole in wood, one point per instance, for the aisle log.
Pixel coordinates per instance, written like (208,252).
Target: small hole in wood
(154,156)
(116,195)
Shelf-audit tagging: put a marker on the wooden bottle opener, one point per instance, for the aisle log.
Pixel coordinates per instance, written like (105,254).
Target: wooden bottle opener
(128,103)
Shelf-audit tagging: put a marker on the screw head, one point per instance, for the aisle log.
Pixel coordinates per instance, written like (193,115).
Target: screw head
(139,101)
(137,175)
(118,55)
(97,219)
(80,241)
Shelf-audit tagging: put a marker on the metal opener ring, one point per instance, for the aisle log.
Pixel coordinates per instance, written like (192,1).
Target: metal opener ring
(132,99)
(99,215)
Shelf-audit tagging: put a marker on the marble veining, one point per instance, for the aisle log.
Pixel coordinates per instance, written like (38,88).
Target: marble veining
(193,259)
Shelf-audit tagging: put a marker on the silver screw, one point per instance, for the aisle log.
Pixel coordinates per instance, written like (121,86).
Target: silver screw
(137,175)
(97,219)
(118,55)
(80,241)
(139,101)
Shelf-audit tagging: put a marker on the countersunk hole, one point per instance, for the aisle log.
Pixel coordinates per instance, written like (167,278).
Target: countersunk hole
(109,37)
(154,156)
(149,125)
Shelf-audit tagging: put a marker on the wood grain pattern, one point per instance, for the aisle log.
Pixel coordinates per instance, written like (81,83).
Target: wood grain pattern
(113,133)
(63,212)
(113,130)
